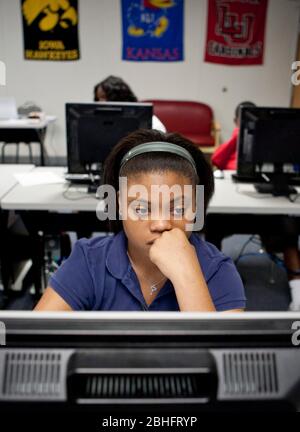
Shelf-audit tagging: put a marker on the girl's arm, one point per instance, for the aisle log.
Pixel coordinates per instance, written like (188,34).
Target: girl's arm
(176,258)
(191,289)
(51,301)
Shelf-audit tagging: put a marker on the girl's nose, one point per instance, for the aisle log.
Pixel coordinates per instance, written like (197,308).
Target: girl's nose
(160,225)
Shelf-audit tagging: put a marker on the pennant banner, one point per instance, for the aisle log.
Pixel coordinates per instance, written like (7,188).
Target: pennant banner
(50,29)
(236,31)
(152,30)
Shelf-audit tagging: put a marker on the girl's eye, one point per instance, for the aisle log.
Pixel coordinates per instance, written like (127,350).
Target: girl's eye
(142,211)
(179,211)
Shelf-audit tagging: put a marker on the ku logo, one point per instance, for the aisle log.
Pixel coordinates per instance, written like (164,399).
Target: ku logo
(148,18)
(236,29)
(50,13)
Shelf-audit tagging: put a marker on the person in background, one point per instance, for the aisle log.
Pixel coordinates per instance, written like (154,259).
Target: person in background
(225,157)
(115,89)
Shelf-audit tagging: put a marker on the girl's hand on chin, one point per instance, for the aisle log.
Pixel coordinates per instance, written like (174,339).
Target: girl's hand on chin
(173,254)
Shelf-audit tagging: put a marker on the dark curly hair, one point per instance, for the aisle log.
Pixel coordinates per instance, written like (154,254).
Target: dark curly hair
(115,89)
(154,161)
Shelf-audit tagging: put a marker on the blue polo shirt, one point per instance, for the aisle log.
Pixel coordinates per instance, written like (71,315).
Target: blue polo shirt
(98,276)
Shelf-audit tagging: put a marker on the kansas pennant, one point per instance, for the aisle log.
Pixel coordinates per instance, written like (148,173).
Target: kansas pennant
(152,30)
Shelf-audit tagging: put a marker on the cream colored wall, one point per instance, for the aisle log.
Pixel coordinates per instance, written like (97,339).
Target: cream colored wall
(51,84)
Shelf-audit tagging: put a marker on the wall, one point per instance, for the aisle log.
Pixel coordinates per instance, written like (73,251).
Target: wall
(51,84)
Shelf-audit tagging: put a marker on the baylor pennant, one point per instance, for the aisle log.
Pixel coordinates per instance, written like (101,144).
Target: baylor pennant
(50,29)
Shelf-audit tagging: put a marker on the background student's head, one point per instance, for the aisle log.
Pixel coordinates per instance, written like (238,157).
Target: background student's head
(238,108)
(159,168)
(113,89)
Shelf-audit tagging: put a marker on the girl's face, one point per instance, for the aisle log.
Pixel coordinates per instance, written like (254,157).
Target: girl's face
(100,95)
(149,213)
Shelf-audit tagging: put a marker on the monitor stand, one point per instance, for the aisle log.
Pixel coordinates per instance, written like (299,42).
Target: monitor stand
(277,186)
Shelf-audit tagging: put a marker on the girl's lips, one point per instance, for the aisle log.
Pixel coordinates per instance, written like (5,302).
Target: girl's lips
(151,242)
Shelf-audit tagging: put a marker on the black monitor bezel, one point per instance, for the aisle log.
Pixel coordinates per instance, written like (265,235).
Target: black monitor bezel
(247,169)
(73,162)
(92,329)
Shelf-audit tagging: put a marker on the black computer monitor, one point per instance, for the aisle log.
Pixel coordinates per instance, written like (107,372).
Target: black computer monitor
(104,362)
(93,129)
(269,148)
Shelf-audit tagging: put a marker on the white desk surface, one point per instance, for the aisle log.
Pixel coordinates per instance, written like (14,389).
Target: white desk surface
(26,123)
(240,198)
(229,197)
(50,197)
(7,179)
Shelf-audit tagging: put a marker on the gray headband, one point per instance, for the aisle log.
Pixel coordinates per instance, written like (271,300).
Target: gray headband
(158,146)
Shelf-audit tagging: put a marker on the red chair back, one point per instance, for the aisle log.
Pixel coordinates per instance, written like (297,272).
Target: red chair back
(191,119)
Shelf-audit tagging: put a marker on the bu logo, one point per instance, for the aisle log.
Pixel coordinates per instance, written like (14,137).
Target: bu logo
(236,29)
(2,74)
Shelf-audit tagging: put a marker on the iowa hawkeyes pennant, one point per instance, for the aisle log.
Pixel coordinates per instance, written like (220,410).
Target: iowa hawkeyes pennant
(50,29)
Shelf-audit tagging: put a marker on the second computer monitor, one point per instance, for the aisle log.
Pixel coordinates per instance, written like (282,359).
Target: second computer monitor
(269,145)
(93,129)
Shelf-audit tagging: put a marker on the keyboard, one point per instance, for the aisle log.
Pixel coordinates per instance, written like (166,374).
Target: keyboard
(82,178)
(237,178)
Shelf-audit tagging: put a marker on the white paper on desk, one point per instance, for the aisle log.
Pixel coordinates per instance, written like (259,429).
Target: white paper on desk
(38,178)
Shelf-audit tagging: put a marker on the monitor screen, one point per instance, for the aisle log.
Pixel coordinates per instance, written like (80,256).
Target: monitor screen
(269,141)
(269,149)
(93,129)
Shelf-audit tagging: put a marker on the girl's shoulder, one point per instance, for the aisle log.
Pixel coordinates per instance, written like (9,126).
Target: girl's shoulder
(99,248)
(210,257)
(94,243)
(205,248)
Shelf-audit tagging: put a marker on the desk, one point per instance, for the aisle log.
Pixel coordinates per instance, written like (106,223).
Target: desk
(229,198)
(242,198)
(26,131)
(237,208)
(7,179)
(49,197)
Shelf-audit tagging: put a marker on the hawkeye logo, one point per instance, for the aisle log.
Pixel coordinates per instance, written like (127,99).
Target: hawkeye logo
(2,73)
(51,13)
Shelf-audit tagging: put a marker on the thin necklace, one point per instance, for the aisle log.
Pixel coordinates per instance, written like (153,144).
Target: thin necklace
(153,286)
